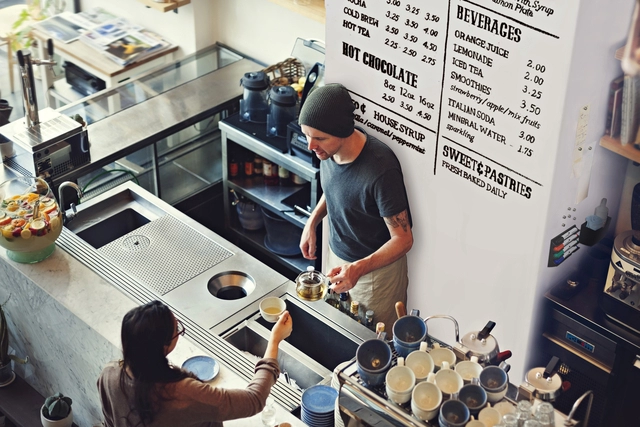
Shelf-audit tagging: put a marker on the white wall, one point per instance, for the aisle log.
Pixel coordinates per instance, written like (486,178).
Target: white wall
(262,29)
(602,28)
(257,28)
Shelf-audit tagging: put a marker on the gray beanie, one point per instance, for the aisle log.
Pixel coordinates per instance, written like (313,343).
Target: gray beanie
(329,109)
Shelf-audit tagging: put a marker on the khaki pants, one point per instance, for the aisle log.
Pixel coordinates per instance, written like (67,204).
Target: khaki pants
(379,290)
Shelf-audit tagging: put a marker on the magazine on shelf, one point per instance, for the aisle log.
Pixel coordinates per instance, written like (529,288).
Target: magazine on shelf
(101,36)
(91,18)
(61,27)
(128,48)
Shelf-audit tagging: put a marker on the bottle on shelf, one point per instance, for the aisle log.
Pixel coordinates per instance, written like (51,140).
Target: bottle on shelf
(269,172)
(257,165)
(248,167)
(283,176)
(355,311)
(331,298)
(344,302)
(234,167)
(368,319)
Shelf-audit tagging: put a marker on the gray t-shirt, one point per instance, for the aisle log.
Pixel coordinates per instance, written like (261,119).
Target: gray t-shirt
(359,194)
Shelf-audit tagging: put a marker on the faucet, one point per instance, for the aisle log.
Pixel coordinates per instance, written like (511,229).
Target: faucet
(68,217)
(569,420)
(28,87)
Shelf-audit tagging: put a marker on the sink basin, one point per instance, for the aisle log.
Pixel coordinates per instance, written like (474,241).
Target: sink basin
(309,355)
(113,228)
(104,221)
(319,340)
(249,340)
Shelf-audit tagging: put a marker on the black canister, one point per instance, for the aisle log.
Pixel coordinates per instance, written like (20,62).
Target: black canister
(283,109)
(254,106)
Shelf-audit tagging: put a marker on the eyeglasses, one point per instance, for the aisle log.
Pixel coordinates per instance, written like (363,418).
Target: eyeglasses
(180,328)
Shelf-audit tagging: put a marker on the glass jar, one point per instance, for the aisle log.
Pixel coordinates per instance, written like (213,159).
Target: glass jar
(269,172)
(523,412)
(545,414)
(509,420)
(283,176)
(257,165)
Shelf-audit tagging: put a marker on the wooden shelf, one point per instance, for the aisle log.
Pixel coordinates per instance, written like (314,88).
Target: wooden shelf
(165,7)
(629,151)
(314,10)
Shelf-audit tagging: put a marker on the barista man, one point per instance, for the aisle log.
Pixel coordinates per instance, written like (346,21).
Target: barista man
(365,201)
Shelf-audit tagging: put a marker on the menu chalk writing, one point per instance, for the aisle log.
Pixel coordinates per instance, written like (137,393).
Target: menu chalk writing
(473,88)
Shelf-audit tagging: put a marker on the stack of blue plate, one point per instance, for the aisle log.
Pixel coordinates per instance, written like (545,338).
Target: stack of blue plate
(318,404)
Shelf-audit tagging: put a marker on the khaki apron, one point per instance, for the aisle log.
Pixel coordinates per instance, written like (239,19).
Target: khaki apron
(379,290)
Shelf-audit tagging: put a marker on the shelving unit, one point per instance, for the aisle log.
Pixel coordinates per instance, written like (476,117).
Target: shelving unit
(165,7)
(628,150)
(314,10)
(252,137)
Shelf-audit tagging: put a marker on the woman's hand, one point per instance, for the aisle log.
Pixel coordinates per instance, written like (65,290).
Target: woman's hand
(282,328)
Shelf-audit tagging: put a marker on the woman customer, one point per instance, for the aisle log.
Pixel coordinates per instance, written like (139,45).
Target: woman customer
(144,389)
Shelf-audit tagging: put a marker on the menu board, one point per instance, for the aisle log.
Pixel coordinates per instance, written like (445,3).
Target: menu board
(469,88)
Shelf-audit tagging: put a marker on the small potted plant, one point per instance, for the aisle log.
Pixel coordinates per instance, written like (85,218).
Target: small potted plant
(56,411)
(6,372)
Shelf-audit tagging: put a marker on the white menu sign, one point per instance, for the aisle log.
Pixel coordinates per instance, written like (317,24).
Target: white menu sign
(470,95)
(473,88)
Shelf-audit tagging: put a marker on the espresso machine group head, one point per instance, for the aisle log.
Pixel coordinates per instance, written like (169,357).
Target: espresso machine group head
(45,143)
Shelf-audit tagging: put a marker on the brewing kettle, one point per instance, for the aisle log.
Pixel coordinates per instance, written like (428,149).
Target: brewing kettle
(545,383)
(484,346)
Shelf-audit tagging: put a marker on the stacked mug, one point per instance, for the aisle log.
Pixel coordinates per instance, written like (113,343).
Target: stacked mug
(456,394)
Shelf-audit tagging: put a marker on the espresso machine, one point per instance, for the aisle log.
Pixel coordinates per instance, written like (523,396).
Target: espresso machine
(621,297)
(45,143)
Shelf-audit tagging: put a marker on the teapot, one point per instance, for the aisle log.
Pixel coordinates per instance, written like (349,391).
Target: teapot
(311,284)
(483,345)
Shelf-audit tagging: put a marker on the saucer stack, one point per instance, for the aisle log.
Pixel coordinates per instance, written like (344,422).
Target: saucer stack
(318,403)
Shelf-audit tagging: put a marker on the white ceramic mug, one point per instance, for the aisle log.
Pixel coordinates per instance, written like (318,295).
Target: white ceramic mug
(475,423)
(442,354)
(448,380)
(490,416)
(420,362)
(469,369)
(271,308)
(399,382)
(426,399)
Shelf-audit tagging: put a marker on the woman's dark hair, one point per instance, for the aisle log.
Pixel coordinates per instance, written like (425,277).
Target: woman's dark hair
(146,330)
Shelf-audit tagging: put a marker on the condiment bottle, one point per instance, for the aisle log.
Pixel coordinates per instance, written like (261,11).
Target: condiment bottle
(344,302)
(355,308)
(379,327)
(283,176)
(368,320)
(234,168)
(331,299)
(257,165)
(248,167)
(269,172)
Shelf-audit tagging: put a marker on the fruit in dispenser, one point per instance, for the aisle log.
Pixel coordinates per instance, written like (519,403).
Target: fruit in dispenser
(29,222)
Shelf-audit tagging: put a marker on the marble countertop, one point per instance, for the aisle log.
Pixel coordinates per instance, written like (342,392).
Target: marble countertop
(101,307)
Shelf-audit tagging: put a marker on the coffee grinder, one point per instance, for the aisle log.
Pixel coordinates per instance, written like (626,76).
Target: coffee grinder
(45,143)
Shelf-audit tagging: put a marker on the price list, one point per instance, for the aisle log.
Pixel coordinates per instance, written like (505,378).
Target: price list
(476,85)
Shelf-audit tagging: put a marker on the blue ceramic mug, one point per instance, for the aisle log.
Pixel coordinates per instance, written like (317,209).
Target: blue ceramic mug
(453,413)
(474,396)
(408,332)
(373,359)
